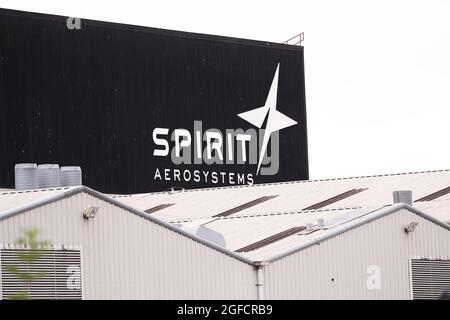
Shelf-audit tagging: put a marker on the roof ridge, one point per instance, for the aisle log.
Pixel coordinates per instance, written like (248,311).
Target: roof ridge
(371,216)
(83,189)
(270,213)
(283,182)
(380,212)
(36,190)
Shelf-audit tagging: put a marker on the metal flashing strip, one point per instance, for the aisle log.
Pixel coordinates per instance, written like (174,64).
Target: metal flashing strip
(271,239)
(244,206)
(334,199)
(159,207)
(435,195)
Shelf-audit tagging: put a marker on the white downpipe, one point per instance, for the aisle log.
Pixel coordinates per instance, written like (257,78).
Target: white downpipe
(260,281)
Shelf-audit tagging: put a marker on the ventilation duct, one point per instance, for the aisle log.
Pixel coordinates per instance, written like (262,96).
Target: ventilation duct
(29,176)
(403,196)
(70,176)
(48,176)
(25,176)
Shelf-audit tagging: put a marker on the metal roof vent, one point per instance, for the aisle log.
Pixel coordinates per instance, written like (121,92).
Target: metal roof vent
(403,196)
(70,176)
(206,234)
(48,176)
(211,235)
(25,176)
(320,223)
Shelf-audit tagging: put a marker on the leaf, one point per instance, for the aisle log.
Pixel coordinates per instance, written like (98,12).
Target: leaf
(19,296)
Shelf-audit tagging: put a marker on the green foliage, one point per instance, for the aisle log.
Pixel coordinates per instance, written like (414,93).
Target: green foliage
(29,239)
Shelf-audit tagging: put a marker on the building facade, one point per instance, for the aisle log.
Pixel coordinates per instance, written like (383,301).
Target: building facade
(391,251)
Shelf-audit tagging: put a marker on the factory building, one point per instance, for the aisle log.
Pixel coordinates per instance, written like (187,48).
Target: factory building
(374,237)
(220,124)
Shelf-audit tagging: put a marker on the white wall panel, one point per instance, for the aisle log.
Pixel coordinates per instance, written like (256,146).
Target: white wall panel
(307,274)
(128,257)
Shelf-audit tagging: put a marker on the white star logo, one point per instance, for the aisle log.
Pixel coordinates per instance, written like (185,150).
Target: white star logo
(275,119)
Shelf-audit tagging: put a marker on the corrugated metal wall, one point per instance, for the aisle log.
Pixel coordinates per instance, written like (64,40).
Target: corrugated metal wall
(345,258)
(126,257)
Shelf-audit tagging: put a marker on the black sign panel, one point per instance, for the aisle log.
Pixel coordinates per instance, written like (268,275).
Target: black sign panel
(108,96)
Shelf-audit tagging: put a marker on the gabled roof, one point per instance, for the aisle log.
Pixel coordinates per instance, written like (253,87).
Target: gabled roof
(15,200)
(38,198)
(366,191)
(336,221)
(251,229)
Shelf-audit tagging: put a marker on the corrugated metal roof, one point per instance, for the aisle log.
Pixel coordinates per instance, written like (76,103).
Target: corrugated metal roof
(244,206)
(249,231)
(272,239)
(159,207)
(242,231)
(435,195)
(254,224)
(10,200)
(339,197)
(439,209)
(28,200)
(205,203)
(267,220)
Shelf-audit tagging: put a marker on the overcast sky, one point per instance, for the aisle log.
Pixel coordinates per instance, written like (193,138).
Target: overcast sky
(377,72)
